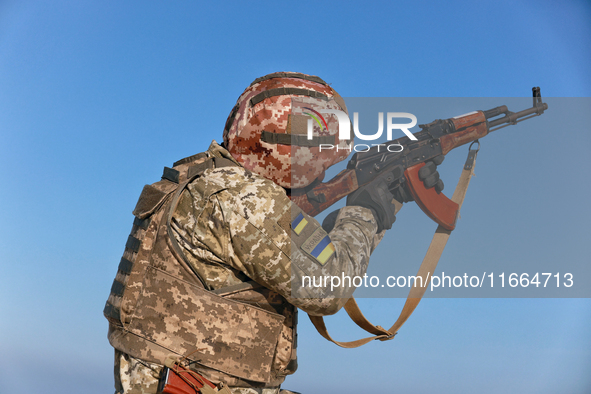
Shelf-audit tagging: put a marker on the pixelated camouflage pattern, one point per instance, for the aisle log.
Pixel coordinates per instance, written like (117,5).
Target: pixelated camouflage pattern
(230,336)
(286,165)
(114,299)
(309,164)
(134,376)
(165,309)
(232,226)
(244,223)
(354,238)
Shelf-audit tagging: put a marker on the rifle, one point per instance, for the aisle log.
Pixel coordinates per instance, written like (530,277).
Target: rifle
(403,164)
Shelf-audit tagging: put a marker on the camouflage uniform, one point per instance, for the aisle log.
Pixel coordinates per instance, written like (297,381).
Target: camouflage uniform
(229,237)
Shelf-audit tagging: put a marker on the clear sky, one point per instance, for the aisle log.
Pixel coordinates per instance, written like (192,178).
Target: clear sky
(97,97)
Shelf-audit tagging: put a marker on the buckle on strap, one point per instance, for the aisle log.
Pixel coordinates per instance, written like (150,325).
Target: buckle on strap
(387,337)
(387,334)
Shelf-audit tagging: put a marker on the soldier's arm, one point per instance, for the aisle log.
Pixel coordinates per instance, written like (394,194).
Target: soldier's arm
(324,286)
(279,246)
(255,231)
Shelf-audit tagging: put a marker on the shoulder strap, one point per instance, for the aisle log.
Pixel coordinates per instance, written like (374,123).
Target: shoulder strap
(416,293)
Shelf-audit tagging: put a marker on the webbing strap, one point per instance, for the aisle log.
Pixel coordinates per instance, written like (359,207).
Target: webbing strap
(416,293)
(192,172)
(237,288)
(171,174)
(286,92)
(189,159)
(296,139)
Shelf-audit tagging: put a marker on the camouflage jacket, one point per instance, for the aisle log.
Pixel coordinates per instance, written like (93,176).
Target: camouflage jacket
(213,270)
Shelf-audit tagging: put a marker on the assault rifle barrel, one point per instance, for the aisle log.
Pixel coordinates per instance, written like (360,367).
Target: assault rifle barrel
(512,118)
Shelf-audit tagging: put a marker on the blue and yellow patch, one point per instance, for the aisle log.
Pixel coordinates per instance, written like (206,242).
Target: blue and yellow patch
(298,224)
(323,250)
(319,246)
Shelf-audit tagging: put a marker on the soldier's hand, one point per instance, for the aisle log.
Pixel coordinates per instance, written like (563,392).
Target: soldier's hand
(430,177)
(377,197)
(429,174)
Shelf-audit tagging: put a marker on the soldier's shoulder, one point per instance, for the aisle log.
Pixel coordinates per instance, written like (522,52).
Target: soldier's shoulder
(239,180)
(251,196)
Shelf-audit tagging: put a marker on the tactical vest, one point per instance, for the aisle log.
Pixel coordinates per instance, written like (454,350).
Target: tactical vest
(159,306)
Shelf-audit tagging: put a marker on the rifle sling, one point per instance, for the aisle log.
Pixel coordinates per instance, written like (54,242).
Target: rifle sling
(416,293)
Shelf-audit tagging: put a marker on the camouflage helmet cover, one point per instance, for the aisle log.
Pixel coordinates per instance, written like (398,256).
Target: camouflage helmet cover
(266,131)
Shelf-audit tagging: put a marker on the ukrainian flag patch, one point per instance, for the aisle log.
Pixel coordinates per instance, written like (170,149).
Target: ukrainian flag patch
(319,246)
(298,224)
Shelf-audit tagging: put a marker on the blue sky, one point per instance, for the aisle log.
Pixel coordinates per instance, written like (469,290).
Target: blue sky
(96,97)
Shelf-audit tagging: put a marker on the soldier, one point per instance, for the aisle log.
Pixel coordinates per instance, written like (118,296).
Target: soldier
(210,275)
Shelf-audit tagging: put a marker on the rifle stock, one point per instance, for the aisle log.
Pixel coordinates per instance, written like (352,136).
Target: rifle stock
(323,195)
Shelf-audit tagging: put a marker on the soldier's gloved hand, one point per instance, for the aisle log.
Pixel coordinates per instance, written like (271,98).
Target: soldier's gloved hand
(377,197)
(430,177)
(429,174)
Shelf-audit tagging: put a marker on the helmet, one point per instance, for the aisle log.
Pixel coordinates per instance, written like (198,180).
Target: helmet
(268,131)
